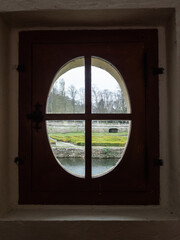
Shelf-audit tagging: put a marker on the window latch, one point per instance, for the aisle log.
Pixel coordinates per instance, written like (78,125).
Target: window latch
(159,162)
(20,68)
(36,117)
(18,160)
(158,71)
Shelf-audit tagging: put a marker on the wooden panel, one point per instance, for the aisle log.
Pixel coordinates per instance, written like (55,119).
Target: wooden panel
(136,179)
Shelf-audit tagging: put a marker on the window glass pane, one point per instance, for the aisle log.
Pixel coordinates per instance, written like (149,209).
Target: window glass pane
(67,140)
(109,93)
(67,93)
(109,142)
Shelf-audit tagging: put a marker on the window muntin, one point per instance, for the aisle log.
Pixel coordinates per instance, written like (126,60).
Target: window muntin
(109,138)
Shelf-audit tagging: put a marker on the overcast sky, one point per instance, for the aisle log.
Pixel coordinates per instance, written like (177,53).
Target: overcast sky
(100,78)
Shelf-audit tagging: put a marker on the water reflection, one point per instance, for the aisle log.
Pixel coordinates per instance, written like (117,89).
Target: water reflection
(109,141)
(75,166)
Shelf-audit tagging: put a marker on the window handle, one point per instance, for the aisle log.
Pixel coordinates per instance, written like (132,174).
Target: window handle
(36,117)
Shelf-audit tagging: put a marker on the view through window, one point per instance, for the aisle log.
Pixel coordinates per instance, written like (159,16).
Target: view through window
(108,138)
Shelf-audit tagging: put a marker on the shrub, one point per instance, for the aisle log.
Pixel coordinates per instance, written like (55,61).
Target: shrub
(52,142)
(103,140)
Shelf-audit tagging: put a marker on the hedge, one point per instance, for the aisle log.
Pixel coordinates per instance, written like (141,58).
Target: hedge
(96,140)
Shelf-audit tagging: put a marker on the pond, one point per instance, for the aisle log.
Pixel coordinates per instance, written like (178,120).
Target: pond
(76,166)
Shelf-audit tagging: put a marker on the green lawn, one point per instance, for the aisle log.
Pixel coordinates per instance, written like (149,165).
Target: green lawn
(98,139)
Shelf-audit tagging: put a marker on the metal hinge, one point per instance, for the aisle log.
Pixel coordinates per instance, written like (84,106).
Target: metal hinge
(18,160)
(158,71)
(159,162)
(36,117)
(20,68)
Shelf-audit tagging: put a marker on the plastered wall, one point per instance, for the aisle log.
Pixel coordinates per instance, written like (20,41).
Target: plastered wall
(91,230)
(172,110)
(4,79)
(22,222)
(21,5)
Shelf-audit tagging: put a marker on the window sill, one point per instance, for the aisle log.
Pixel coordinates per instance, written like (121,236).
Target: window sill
(90,213)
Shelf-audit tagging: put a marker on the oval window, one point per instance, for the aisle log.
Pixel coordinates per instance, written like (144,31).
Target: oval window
(90,128)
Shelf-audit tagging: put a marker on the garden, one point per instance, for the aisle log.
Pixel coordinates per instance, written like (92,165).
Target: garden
(67,140)
(98,139)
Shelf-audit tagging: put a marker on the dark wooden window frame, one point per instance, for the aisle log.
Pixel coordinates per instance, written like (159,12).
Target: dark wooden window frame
(136,179)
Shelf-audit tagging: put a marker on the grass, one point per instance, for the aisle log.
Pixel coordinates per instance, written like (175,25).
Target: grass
(82,134)
(52,141)
(98,139)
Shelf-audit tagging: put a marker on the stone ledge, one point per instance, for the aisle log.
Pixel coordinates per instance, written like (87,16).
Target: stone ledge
(98,152)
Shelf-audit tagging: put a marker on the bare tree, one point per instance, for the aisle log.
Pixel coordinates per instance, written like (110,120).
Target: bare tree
(108,98)
(81,99)
(120,102)
(72,92)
